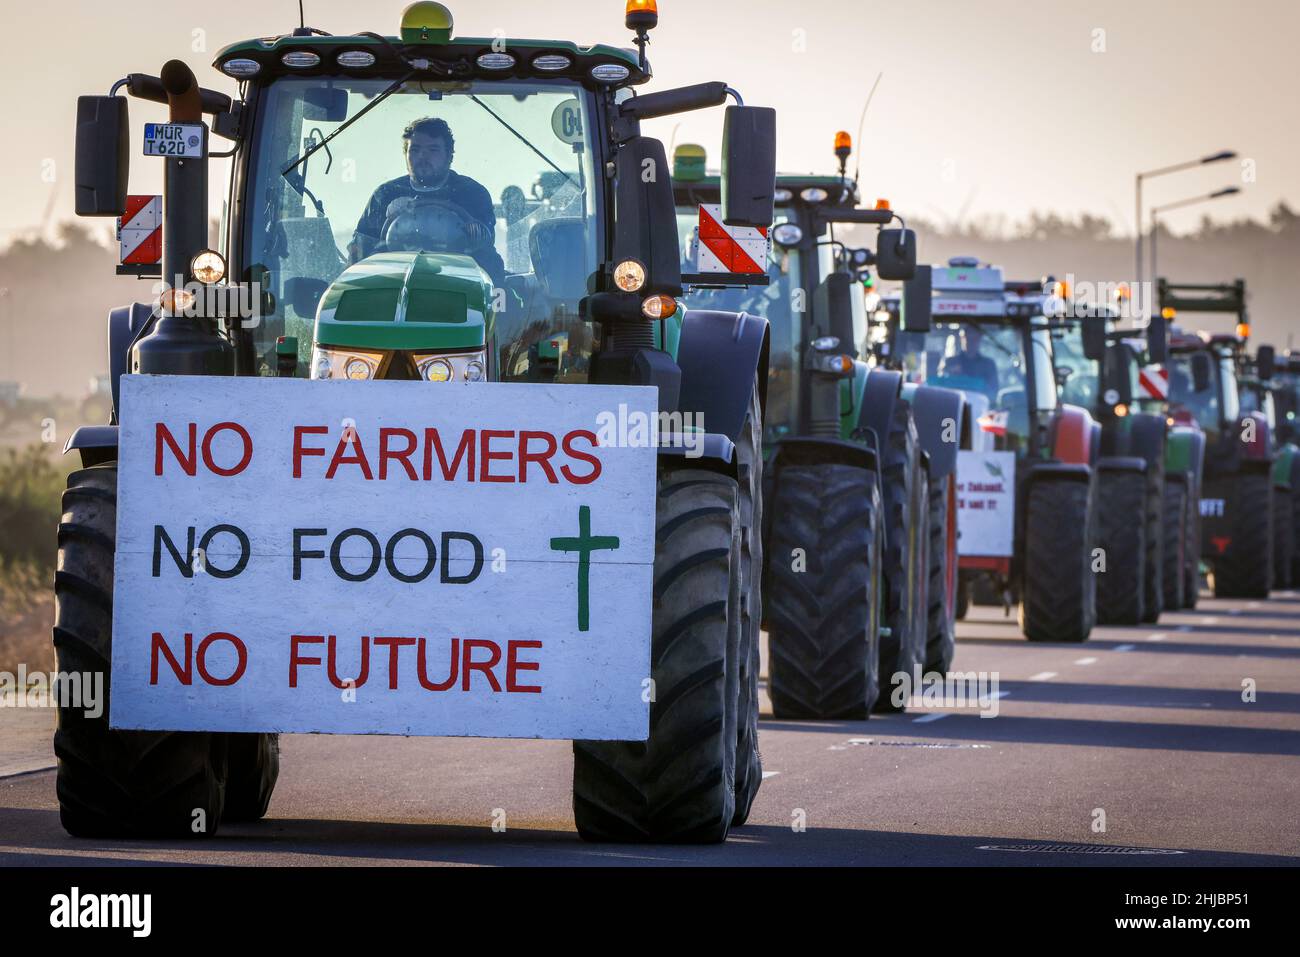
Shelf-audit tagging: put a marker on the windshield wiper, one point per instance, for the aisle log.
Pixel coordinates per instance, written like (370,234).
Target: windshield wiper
(523,139)
(307,154)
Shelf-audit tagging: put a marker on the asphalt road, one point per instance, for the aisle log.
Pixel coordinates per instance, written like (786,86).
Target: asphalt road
(1144,731)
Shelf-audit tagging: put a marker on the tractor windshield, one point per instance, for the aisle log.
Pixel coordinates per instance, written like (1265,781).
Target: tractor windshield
(1211,407)
(499,171)
(1080,373)
(1005,369)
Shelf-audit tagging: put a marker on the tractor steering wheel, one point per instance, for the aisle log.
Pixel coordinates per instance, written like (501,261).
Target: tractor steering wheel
(432,225)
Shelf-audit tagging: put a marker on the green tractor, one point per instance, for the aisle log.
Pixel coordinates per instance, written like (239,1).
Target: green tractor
(1148,466)
(1236,540)
(1025,479)
(548,254)
(857,471)
(1266,393)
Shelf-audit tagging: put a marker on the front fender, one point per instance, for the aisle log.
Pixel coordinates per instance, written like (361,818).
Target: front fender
(1076,436)
(938,413)
(722,355)
(96,443)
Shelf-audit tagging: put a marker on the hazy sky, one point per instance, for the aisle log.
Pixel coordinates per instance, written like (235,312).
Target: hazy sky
(989,107)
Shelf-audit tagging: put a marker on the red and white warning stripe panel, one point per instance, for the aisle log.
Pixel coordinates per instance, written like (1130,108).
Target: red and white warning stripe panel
(1154,382)
(734,249)
(139,231)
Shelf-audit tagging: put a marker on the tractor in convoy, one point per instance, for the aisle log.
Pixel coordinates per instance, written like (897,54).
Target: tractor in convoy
(1265,393)
(1025,486)
(1240,448)
(549,257)
(1147,466)
(857,470)
(1286,407)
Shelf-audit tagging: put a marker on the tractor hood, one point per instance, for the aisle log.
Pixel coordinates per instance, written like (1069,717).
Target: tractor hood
(407,301)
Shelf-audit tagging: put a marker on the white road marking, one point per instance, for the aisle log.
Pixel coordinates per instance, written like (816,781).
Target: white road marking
(1209,621)
(1125,647)
(1043,676)
(926,718)
(770,774)
(1157,637)
(837,747)
(1253,604)
(1086,661)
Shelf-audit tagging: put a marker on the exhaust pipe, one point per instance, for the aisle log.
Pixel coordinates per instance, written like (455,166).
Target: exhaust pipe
(179,345)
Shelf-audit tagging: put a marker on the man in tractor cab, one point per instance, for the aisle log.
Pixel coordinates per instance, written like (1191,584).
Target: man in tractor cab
(970,362)
(432,207)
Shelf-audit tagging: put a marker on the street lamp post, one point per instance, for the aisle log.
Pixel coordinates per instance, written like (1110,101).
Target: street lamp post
(1157,210)
(1190,164)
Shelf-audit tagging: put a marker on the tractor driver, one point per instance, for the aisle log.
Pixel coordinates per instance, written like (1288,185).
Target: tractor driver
(433,207)
(970,363)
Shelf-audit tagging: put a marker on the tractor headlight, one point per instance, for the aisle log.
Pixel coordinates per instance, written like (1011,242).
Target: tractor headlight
(448,367)
(208,267)
(813,194)
(629,275)
(329,363)
(787,234)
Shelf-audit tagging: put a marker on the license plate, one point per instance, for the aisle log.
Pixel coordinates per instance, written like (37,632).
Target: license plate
(173,139)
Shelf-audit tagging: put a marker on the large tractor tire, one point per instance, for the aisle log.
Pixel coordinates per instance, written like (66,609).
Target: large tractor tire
(679,785)
(749,461)
(1192,556)
(904,571)
(117,784)
(824,592)
(253,767)
(941,623)
(1295,535)
(1153,587)
(1121,503)
(1057,601)
(1175,544)
(1284,543)
(1245,568)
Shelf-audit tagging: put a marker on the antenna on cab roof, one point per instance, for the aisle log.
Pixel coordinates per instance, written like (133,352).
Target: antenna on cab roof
(862,122)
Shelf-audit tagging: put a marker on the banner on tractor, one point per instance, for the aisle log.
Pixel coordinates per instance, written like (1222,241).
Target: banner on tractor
(986,503)
(383,558)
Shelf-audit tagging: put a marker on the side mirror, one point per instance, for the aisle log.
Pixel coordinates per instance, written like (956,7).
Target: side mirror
(325,104)
(1094,338)
(1266,362)
(1063,374)
(1116,378)
(914,307)
(896,254)
(834,301)
(748,166)
(646,214)
(1157,340)
(303,293)
(103,157)
(1202,371)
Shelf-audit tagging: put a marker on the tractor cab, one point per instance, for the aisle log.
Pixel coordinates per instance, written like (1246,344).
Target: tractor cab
(989,339)
(818,326)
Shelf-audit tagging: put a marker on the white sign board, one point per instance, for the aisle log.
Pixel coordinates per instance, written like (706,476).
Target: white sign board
(383,558)
(986,503)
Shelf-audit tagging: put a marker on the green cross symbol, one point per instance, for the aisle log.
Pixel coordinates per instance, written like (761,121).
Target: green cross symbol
(584,545)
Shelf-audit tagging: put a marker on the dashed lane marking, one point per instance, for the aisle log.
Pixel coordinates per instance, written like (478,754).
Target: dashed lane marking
(1043,676)
(926,718)
(770,774)
(1086,661)
(1157,637)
